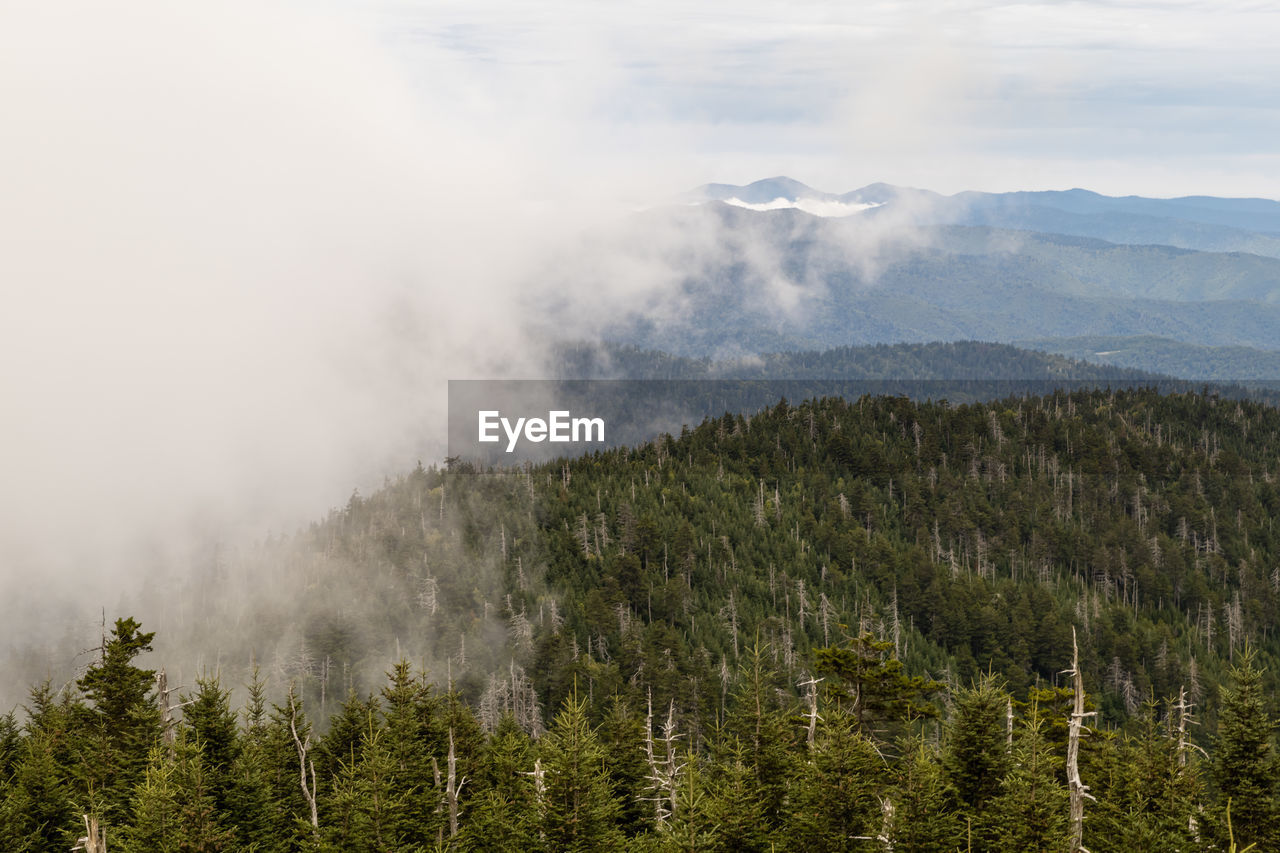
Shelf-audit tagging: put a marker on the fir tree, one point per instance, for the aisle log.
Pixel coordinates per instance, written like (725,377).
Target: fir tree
(580,810)
(1244,767)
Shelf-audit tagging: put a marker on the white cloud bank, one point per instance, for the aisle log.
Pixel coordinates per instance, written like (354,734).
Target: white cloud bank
(814,206)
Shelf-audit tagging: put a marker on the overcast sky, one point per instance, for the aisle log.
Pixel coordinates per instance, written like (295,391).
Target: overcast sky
(1159,98)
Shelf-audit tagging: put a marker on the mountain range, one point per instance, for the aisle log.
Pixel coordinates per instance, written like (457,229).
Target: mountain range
(770,267)
(1191,222)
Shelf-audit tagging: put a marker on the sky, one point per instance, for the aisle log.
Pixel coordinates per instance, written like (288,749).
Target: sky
(243,244)
(1155,98)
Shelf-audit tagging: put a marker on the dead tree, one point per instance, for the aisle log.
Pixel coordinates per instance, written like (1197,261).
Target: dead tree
(664,773)
(453,788)
(811,699)
(1078,790)
(167,725)
(303,746)
(94,840)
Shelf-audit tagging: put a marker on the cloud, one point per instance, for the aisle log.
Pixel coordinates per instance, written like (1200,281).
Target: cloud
(242,253)
(813,206)
(1153,98)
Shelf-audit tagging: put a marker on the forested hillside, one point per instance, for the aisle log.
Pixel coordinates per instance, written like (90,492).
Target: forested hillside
(837,625)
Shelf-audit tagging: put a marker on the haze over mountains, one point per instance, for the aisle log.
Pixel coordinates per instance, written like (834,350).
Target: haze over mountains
(778,266)
(1192,222)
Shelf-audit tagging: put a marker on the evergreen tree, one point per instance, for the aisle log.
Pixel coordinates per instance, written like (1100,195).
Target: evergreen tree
(579,810)
(503,814)
(764,732)
(622,734)
(976,755)
(121,728)
(867,682)
(1244,767)
(36,812)
(248,807)
(174,811)
(214,731)
(836,800)
(691,827)
(1030,811)
(925,814)
(735,805)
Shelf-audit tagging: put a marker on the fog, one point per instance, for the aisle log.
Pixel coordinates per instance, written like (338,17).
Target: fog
(244,245)
(243,249)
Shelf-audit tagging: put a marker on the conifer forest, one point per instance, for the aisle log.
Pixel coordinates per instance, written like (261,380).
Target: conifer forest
(1040,623)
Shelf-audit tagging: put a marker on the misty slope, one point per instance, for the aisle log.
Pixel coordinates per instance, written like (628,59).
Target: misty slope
(959,360)
(753,281)
(973,536)
(1196,222)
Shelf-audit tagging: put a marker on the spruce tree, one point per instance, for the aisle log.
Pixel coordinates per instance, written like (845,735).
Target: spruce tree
(121,728)
(836,802)
(1244,766)
(925,805)
(503,812)
(36,811)
(174,811)
(1030,812)
(580,811)
(976,755)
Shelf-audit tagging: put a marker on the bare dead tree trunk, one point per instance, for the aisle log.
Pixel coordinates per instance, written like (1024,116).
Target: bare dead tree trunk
(94,840)
(453,788)
(655,774)
(166,711)
(308,793)
(811,698)
(673,768)
(1078,790)
(435,771)
(167,723)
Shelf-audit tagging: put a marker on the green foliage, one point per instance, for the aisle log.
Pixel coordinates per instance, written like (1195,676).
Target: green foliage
(871,685)
(1245,771)
(716,571)
(579,811)
(837,801)
(976,755)
(1030,810)
(925,817)
(174,810)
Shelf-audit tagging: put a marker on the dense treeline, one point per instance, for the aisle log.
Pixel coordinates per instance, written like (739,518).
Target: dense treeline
(836,625)
(855,765)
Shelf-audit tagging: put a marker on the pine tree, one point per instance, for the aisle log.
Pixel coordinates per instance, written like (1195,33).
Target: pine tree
(691,829)
(735,804)
(36,812)
(836,801)
(621,734)
(174,811)
(763,731)
(123,725)
(580,811)
(1244,766)
(870,684)
(976,756)
(249,794)
(925,806)
(370,807)
(214,731)
(1030,812)
(504,807)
